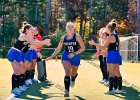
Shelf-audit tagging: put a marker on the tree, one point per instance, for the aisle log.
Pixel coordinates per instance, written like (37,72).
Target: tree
(48,15)
(131,22)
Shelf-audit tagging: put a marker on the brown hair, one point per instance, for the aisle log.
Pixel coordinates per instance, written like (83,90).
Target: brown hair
(112,26)
(114,20)
(27,26)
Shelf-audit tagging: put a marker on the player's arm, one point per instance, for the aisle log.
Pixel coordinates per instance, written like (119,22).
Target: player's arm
(81,43)
(110,39)
(35,43)
(119,47)
(58,49)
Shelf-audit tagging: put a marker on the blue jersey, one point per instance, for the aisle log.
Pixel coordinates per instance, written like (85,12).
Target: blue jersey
(71,45)
(15,53)
(20,45)
(114,46)
(113,55)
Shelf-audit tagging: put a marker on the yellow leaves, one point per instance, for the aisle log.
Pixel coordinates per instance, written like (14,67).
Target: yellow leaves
(77,27)
(122,27)
(122,24)
(85,25)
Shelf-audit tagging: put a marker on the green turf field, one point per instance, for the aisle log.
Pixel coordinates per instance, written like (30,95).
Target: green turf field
(87,84)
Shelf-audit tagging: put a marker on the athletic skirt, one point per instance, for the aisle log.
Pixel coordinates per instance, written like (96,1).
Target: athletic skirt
(30,55)
(22,57)
(13,54)
(114,57)
(75,61)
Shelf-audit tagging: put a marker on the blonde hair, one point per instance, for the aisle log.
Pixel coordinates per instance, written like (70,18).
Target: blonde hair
(70,23)
(100,31)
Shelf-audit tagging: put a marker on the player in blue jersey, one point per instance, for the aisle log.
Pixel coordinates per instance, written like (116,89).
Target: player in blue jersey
(114,59)
(74,46)
(15,53)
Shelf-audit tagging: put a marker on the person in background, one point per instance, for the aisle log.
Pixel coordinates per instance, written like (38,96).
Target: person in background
(101,55)
(114,59)
(14,56)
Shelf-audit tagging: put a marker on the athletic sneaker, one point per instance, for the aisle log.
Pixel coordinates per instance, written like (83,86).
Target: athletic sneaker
(102,81)
(16,92)
(33,80)
(42,79)
(21,88)
(66,93)
(119,92)
(72,83)
(112,92)
(106,83)
(26,87)
(28,82)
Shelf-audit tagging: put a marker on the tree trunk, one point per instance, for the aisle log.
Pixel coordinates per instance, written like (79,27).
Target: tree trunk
(81,22)
(138,26)
(3,28)
(36,13)
(105,12)
(96,24)
(48,11)
(85,24)
(66,9)
(90,16)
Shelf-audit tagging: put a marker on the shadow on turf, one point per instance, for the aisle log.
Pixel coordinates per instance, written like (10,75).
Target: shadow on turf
(130,94)
(34,92)
(79,98)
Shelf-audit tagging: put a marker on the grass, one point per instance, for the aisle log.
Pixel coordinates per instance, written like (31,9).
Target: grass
(129,71)
(86,55)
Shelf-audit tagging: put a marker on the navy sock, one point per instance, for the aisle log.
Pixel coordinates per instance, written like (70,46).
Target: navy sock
(27,74)
(15,81)
(32,73)
(119,83)
(111,83)
(115,82)
(67,82)
(74,77)
(22,79)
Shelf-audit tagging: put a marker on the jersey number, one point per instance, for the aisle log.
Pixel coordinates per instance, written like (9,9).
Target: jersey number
(70,48)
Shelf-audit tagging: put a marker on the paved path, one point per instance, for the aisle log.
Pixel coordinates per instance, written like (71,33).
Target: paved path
(87,84)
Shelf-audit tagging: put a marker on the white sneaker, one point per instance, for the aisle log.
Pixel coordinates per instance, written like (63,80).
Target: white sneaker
(112,92)
(119,92)
(33,80)
(102,81)
(26,87)
(28,82)
(72,83)
(21,88)
(66,93)
(16,92)
(106,83)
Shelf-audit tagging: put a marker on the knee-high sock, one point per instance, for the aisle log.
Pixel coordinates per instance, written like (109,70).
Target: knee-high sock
(74,77)
(32,73)
(15,81)
(22,79)
(111,83)
(27,75)
(119,83)
(67,82)
(115,82)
